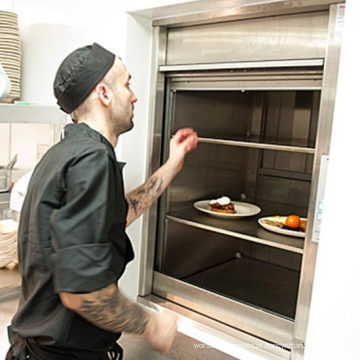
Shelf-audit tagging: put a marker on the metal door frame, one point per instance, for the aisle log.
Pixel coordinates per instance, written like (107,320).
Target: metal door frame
(327,103)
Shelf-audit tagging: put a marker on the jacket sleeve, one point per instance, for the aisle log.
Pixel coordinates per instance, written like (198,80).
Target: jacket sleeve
(82,257)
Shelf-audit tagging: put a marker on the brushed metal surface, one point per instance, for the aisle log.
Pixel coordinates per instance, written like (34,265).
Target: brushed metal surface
(188,251)
(195,13)
(300,36)
(253,282)
(229,336)
(278,120)
(243,65)
(154,155)
(238,315)
(326,114)
(248,79)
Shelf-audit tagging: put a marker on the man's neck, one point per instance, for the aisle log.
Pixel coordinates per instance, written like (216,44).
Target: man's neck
(103,130)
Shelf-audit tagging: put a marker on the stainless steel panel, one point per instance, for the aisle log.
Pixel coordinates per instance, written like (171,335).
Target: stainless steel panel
(257,283)
(278,120)
(194,13)
(299,36)
(243,65)
(322,148)
(241,316)
(187,252)
(155,114)
(249,79)
(191,323)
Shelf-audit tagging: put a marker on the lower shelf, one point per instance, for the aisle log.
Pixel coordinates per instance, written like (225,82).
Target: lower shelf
(271,288)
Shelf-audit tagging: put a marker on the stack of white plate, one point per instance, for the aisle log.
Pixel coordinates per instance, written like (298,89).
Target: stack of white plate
(10,52)
(8,242)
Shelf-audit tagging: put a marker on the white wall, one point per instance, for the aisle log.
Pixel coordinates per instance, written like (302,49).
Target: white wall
(334,324)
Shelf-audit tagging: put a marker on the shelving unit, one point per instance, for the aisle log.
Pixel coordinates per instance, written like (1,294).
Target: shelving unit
(256,143)
(14,114)
(31,114)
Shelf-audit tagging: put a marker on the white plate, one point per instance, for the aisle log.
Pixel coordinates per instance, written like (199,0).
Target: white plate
(278,230)
(242,209)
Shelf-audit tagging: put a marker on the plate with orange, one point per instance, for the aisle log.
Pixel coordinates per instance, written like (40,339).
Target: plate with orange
(291,225)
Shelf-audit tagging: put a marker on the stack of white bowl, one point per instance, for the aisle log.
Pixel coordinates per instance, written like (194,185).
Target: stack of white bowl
(8,242)
(10,52)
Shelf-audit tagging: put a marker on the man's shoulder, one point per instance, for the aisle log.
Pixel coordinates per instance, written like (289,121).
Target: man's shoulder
(79,146)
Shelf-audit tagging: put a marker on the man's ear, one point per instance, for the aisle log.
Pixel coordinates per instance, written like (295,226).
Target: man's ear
(103,93)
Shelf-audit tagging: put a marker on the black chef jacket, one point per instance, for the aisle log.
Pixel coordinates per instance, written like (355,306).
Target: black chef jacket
(71,238)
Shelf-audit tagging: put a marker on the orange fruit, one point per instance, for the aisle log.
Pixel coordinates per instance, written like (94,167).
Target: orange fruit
(293,222)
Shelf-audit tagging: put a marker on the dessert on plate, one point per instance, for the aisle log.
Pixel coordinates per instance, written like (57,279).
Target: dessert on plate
(222,205)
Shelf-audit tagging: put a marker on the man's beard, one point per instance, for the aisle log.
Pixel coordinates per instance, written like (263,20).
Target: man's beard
(120,126)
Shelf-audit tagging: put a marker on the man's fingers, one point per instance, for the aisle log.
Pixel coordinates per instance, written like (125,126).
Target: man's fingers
(182,134)
(190,142)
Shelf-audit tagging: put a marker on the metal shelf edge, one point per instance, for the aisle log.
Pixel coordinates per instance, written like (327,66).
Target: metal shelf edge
(235,234)
(243,65)
(257,145)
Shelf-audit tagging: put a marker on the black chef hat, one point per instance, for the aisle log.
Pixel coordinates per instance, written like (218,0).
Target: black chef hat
(79,73)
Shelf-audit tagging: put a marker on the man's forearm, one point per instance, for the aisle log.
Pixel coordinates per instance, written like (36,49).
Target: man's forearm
(143,197)
(109,309)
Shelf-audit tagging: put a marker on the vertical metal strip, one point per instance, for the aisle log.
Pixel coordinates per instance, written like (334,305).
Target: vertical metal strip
(164,201)
(326,113)
(157,83)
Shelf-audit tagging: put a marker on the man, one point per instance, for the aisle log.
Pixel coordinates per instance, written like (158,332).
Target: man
(72,242)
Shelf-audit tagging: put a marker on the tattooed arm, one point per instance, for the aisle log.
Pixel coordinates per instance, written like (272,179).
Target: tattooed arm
(108,309)
(143,197)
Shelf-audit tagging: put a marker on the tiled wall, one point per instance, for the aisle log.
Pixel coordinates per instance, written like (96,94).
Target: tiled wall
(28,141)
(4,143)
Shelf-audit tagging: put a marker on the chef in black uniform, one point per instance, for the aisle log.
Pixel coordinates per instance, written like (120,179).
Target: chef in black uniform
(73,246)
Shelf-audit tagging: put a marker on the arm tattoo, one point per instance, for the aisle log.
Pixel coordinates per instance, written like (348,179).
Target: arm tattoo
(110,310)
(134,203)
(143,197)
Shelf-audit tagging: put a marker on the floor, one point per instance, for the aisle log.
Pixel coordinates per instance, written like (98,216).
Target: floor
(134,347)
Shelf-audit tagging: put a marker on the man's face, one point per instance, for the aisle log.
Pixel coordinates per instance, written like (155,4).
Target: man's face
(122,110)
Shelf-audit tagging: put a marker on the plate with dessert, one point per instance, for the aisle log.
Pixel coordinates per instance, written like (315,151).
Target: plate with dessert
(292,225)
(226,208)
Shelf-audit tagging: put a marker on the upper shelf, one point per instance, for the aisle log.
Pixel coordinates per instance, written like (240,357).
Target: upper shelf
(259,145)
(31,114)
